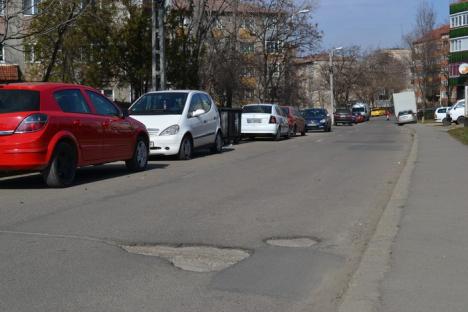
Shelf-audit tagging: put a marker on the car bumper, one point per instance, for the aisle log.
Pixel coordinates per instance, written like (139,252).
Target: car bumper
(315,126)
(19,157)
(165,145)
(268,130)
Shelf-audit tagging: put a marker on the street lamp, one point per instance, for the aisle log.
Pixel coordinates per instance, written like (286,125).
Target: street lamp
(332,96)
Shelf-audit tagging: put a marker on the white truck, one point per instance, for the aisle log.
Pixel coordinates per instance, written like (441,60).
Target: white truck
(404,103)
(361,109)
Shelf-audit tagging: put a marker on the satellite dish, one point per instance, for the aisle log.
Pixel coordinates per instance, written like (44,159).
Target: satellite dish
(463,69)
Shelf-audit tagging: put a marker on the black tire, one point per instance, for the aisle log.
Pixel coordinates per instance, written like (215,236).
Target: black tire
(217,146)
(62,168)
(303,132)
(278,134)
(294,130)
(186,148)
(446,122)
(139,160)
(461,120)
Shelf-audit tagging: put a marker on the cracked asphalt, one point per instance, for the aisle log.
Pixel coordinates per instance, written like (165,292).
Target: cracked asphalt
(59,249)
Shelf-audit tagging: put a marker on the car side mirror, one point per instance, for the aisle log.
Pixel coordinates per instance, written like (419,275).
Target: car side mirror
(198,112)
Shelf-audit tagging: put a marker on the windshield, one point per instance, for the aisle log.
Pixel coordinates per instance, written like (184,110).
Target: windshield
(342,111)
(358,110)
(311,113)
(14,101)
(261,109)
(162,103)
(408,112)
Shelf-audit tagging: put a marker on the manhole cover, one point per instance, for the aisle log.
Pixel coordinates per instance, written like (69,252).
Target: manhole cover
(297,242)
(193,258)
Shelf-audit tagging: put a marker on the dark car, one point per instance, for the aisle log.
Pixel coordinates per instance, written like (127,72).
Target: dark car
(317,119)
(343,116)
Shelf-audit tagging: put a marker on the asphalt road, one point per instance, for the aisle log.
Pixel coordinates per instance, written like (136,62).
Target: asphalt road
(59,249)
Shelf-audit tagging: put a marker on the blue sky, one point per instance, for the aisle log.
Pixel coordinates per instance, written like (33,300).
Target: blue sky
(370,23)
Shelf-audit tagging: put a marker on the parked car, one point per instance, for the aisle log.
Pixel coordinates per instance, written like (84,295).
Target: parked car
(295,120)
(407,116)
(179,121)
(457,113)
(376,112)
(343,116)
(317,119)
(264,120)
(440,113)
(54,128)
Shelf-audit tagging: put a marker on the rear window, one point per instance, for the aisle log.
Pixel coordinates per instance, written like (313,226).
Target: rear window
(260,109)
(311,113)
(342,111)
(405,113)
(14,101)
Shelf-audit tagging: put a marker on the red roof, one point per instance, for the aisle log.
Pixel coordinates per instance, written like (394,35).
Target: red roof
(435,34)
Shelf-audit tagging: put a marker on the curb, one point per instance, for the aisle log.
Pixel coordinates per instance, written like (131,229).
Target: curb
(363,293)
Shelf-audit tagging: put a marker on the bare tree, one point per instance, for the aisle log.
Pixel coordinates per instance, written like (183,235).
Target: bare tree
(425,54)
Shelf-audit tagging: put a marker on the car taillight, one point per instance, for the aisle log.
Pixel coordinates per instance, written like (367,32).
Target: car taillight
(32,123)
(272,119)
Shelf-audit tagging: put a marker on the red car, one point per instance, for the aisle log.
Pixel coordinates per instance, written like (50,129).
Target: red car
(55,128)
(295,120)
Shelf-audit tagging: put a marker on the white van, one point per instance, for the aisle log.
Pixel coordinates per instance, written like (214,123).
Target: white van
(457,113)
(362,109)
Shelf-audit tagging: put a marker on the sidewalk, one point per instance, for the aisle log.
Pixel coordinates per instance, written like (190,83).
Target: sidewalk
(429,263)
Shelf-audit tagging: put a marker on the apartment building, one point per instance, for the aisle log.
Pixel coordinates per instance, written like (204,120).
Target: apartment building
(458,47)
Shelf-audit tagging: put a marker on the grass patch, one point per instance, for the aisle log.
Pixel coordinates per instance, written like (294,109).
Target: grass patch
(461,134)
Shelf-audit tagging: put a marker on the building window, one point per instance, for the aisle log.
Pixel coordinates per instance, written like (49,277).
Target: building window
(30,53)
(247,23)
(2,7)
(247,47)
(30,7)
(274,46)
(247,72)
(2,53)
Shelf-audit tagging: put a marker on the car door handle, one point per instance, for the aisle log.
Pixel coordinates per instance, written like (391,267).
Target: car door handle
(76,122)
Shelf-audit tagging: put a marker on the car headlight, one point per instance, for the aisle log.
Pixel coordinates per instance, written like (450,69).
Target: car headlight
(323,121)
(172,130)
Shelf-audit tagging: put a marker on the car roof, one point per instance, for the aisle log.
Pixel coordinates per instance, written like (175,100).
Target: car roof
(175,91)
(39,86)
(259,104)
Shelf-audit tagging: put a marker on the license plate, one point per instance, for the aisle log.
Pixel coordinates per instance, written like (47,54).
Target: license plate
(254,120)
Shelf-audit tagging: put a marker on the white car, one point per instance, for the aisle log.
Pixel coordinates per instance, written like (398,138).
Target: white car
(264,120)
(457,113)
(407,116)
(440,114)
(179,121)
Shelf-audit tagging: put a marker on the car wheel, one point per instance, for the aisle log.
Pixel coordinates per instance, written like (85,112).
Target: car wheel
(139,161)
(278,134)
(461,120)
(62,168)
(294,130)
(218,144)
(185,150)
(303,132)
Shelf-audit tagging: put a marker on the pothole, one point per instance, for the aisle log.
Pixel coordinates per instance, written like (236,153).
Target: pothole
(193,258)
(295,242)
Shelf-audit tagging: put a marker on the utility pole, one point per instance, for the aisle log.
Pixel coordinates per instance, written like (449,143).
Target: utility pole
(158,51)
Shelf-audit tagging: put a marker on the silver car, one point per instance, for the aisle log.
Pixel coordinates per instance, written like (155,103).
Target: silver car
(405,117)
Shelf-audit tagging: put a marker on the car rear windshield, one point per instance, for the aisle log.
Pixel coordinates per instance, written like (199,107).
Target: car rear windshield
(405,112)
(310,113)
(358,110)
(14,101)
(164,103)
(342,111)
(260,109)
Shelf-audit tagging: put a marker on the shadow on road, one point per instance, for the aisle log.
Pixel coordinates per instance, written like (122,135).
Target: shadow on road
(83,176)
